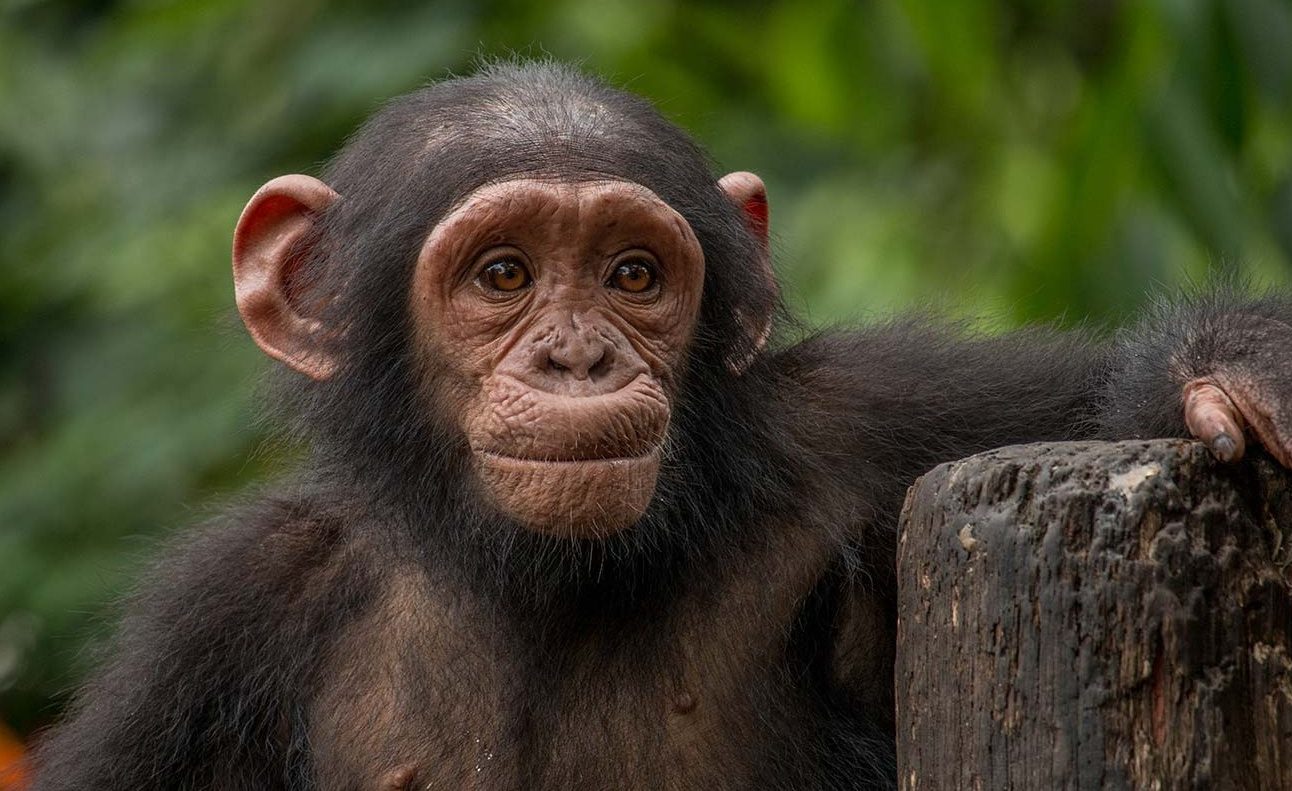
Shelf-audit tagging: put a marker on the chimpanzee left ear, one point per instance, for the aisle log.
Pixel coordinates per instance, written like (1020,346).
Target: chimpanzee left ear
(267,259)
(746,190)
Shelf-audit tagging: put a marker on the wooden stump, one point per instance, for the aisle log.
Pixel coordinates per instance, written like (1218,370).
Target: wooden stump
(1096,615)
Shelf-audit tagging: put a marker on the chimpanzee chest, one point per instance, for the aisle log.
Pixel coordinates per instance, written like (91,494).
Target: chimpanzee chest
(427,695)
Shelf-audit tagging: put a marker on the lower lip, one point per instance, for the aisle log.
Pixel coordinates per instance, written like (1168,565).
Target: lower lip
(586,498)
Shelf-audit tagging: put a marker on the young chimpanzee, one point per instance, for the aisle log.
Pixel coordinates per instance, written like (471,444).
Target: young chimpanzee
(566,522)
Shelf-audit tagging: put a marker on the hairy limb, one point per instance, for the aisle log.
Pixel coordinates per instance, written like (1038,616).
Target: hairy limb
(894,400)
(209,667)
(887,403)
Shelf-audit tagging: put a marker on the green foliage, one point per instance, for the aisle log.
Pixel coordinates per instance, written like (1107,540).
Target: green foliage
(1015,160)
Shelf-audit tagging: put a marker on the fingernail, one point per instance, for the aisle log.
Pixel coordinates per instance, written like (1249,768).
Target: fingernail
(1223,447)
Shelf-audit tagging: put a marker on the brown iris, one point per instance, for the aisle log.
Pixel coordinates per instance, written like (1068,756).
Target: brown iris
(507,274)
(633,276)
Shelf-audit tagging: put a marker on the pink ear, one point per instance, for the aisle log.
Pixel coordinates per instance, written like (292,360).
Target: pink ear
(746,190)
(748,193)
(266,255)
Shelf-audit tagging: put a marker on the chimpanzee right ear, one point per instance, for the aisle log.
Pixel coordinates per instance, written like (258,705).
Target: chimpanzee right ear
(747,192)
(266,255)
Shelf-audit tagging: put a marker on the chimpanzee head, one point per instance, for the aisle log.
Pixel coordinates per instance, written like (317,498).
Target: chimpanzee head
(504,284)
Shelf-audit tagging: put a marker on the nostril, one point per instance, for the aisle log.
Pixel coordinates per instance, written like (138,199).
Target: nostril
(601,366)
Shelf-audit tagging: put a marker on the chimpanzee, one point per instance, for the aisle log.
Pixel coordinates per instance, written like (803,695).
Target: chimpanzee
(568,519)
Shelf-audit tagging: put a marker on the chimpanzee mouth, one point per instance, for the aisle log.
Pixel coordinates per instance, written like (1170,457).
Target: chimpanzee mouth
(651,455)
(524,424)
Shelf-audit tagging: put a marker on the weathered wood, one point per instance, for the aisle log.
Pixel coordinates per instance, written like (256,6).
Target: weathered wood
(1096,615)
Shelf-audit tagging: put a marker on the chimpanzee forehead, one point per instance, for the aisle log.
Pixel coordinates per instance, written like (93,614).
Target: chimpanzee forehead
(564,212)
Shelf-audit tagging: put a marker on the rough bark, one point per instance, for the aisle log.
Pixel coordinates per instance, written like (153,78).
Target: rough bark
(1096,615)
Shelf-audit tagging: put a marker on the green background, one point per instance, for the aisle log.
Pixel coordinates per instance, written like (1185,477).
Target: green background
(1008,161)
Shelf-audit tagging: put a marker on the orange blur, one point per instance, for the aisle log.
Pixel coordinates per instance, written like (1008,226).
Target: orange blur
(13,768)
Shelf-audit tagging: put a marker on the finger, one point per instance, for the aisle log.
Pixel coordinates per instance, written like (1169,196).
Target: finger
(1212,417)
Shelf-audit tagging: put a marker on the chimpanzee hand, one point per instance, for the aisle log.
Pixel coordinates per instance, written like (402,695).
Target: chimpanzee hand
(1251,390)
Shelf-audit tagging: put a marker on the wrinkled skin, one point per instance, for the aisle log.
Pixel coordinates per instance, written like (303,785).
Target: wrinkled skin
(565,383)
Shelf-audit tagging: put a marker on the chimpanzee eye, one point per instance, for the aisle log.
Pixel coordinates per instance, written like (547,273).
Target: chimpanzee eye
(633,276)
(507,274)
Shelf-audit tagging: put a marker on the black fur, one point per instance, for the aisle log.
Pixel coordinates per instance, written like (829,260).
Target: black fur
(217,674)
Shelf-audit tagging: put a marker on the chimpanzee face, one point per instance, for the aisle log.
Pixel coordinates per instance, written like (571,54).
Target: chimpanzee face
(560,312)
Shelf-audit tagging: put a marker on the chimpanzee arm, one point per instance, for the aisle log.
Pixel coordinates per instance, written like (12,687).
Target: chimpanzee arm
(877,407)
(892,401)
(204,686)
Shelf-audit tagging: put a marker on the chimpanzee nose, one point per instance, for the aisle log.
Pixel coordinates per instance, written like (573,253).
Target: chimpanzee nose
(574,355)
(580,355)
